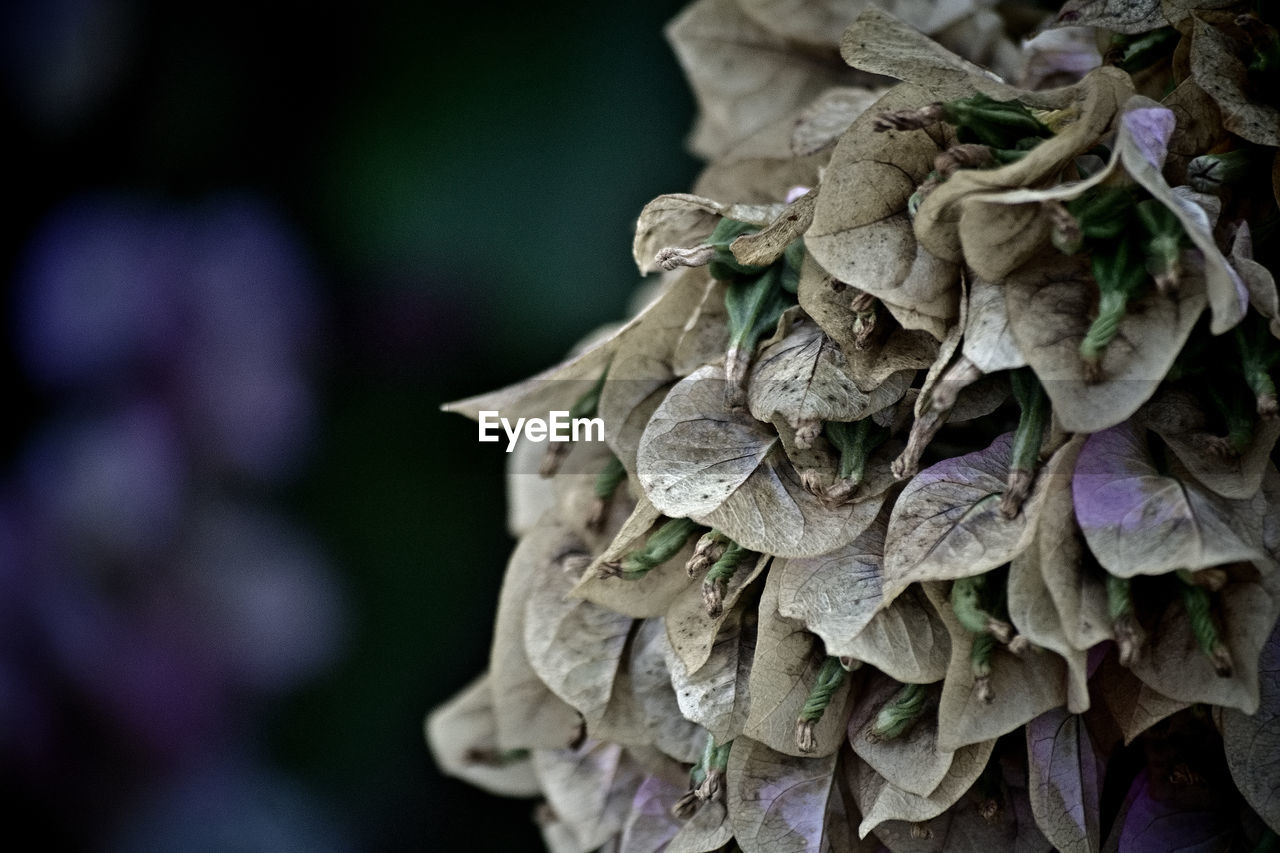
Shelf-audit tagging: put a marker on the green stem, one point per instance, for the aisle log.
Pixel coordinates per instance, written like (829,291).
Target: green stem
(754,306)
(900,713)
(980,654)
(856,442)
(830,677)
(1199,605)
(609,478)
(1124,622)
(1032,422)
(663,544)
(716,583)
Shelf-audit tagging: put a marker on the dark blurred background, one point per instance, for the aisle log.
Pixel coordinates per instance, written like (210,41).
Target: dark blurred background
(253,248)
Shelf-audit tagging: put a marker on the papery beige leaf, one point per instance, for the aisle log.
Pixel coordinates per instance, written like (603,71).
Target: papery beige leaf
(1198,128)
(1134,705)
(806,377)
(957,221)
(905,640)
(529,496)
(706,334)
(783,671)
(767,245)
(879,801)
(1179,420)
(1145,129)
(760,180)
(530,715)
(590,789)
(1065,781)
(1051,302)
(643,709)
(574,646)
(707,831)
(911,761)
(1121,16)
(651,826)
(779,803)
(690,631)
(1173,663)
(1252,742)
(836,594)
(1140,521)
(1024,686)
(861,233)
(725,469)
(1220,72)
(717,695)
(642,597)
(817,24)
(1033,614)
(1259,281)
(988,343)
(464,728)
(947,523)
(822,122)
(575,495)
(873,361)
(743,76)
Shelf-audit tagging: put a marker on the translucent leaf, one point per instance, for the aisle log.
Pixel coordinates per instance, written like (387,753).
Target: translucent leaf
(1252,742)
(1065,781)
(806,377)
(1139,521)
(725,469)
(691,632)
(530,715)
(879,801)
(464,728)
(1050,301)
(947,523)
(717,694)
(784,670)
(743,76)
(1024,686)
(864,238)
(911,761)
(590,789)
(836,594)
(988,343)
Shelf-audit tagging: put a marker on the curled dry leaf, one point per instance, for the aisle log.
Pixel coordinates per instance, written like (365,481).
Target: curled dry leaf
(1179,420)
(880,801)
(1219,71)
(1139,521)
(836,594)
(1252,741)
(727,470)
(1024,686)
(463,729)
(717,694)
(905,640)
(784,670)
(1121,16)
(947,523)
(691,632)
(1065,781)
(590,789)
(911,761)
(530,715)
(861,233)
(641,597)
(1051,301)
(686,220)
(767,245)
(806,377)
(743,76)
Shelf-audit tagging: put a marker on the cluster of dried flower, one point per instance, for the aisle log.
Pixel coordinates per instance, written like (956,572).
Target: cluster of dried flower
(939,507)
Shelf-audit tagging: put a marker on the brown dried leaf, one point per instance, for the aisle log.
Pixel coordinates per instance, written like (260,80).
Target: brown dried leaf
(465,726)
(717,695)
(706,334)
(905,640)
(691,632)
(806,376)
(1134,705)
(590,789)
(1024,686)
(783,672)
(1121,16)
(743,76)
(685,219)
(1198,128)
(767,245)
(880,801)
(1051,300)
(707,831)
(1219,71)
(861,233)
(821,123)
(1032,612)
